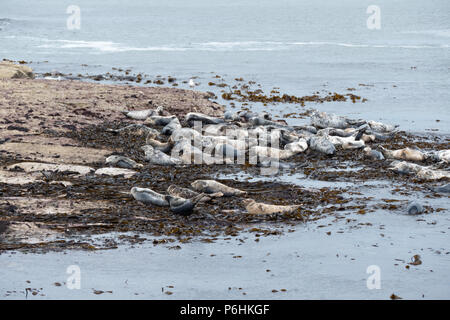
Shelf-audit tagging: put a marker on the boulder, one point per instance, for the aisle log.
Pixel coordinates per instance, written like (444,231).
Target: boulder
(9,70)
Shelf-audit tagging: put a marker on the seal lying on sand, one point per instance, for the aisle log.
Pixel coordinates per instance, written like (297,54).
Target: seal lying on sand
(211,186)
(404,154)
(258,208)
(159,157)
(142,114)
(122,162)
(148,196)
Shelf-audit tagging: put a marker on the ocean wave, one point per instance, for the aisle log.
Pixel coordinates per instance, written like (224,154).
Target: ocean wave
(445,33)
(112,47)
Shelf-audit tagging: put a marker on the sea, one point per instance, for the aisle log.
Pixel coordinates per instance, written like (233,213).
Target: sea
(395,54)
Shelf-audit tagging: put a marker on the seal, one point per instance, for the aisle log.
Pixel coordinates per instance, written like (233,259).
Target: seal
(297,147)
(142,114)
(161,120)
(158,157)
(441,155)
(212,186)
(321,144)
(414,208)
(122,162)
(158,145)
(180,192)
(258,208)
(148,196)
(171,127)
(373,154)
(381,127)
(404,154)
(180,206)
(203,118)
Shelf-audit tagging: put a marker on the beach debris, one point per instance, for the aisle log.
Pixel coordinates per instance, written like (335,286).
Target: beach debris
(258,208)
(212,186)
(122,162)
(441,189)
(148,196)
(415,260)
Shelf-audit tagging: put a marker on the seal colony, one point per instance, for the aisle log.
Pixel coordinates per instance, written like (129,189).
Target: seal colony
(246,137)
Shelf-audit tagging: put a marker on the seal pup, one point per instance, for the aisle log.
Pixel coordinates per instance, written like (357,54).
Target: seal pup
(258,208)
(122,162)
(322,144)
(148,196)
(404,154)
(373,154)
(414,208)
(158,157)
(142,114)
(212,186)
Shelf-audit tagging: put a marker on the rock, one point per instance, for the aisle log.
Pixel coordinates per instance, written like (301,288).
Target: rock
(37,166)
(414,208)
(9,70)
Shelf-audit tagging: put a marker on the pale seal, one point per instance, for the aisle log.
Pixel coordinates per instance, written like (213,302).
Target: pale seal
(258,208)
(211,186)
(142,114)
(177,191)
(381,127)
(122,162)
(404,154)
(148,196)
(171,127)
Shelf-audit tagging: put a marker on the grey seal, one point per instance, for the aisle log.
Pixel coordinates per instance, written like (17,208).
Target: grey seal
(122,162)
(142,114)
(158,157)
(148,196)
(211,186)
